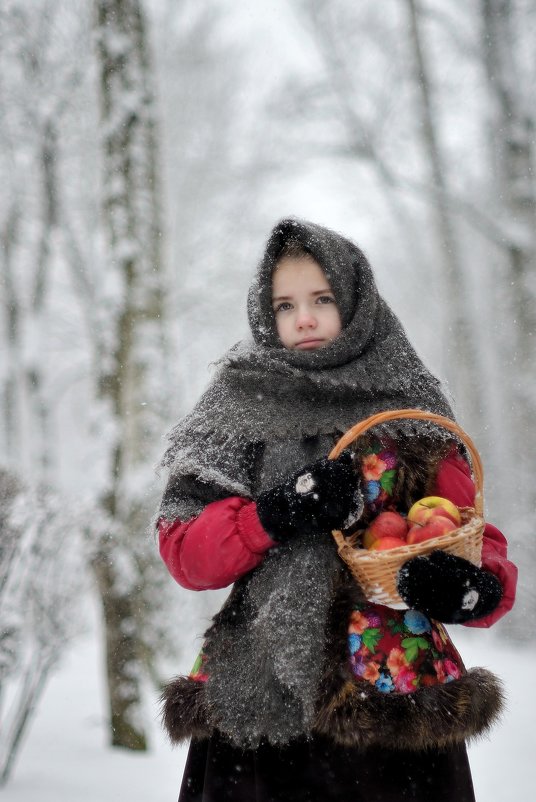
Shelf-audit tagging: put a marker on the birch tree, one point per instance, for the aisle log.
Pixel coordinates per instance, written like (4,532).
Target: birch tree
(507,39)
(130,383)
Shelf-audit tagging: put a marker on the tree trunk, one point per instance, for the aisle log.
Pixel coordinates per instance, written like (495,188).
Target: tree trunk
(12,391)
(512,127)
(36,367)
(130,379)
(35,679)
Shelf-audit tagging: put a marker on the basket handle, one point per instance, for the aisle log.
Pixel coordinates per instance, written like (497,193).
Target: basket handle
(418,414)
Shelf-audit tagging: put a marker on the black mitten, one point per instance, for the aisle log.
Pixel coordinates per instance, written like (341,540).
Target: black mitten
(318,498)
(448,588)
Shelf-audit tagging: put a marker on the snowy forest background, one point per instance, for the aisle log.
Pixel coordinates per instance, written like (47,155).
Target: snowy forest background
(146,149)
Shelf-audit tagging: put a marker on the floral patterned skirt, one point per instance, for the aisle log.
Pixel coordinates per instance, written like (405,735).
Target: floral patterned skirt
(399,651)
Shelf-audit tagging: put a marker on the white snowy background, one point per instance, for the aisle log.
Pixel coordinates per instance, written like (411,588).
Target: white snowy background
(264,109)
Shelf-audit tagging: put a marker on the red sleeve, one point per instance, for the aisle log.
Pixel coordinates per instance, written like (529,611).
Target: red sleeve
(214,549)
(454,482)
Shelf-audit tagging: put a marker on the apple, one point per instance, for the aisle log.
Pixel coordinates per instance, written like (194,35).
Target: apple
(435,527)
(432,506)
(386,524)
(387,542)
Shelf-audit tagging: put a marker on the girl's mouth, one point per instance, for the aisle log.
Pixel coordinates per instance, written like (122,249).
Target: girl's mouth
(311,342)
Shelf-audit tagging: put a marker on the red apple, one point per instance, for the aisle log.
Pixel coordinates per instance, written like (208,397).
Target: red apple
(387,542)
(431,506)
(386,524)
(435,527)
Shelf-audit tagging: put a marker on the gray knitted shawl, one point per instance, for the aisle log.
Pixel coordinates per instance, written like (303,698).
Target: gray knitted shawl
(265,661)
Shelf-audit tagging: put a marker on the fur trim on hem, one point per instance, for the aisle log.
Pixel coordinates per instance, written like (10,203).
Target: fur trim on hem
(438,716)
(359,716)
(184,712)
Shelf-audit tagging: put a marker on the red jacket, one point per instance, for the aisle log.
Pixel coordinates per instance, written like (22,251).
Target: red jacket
(226,540)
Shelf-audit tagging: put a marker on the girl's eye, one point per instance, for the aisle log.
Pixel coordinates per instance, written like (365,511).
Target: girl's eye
(326,299)
(282,307)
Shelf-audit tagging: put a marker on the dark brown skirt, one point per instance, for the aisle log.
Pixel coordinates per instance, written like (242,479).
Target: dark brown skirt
(320,771)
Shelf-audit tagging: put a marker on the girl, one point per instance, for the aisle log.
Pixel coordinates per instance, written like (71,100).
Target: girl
(304,690)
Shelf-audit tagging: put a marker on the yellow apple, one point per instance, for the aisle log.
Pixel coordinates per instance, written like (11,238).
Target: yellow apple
(426,508)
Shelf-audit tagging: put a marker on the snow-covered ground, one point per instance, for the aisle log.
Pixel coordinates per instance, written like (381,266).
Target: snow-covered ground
(66,757)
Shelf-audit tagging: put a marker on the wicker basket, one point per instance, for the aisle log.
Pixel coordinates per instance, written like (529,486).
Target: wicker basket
(376,571)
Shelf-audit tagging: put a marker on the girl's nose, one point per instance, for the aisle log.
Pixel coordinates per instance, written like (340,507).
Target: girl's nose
(305,320)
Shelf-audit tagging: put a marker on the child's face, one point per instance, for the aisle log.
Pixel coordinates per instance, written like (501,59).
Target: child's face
(306,313)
